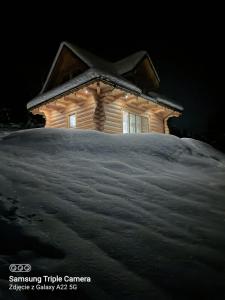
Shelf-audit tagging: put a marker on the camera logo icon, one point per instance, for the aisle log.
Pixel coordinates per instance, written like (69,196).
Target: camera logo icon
(20,268)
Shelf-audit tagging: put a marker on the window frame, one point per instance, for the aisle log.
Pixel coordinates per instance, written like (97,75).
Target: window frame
(128,122)
(68,120)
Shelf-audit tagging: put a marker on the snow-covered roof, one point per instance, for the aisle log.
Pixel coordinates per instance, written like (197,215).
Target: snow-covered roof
(164,100)
(91,60)
(130,62)
(92,74)
(102,70)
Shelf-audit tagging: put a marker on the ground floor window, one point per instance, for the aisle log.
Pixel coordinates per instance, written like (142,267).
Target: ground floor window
(133,123)
(72,121)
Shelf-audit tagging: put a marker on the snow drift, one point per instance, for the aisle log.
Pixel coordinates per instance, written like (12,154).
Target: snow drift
(142,215)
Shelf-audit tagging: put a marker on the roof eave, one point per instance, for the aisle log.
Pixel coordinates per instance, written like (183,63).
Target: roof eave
(110,82)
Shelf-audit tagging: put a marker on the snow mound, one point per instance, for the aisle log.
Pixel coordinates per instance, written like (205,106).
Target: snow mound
(143,215)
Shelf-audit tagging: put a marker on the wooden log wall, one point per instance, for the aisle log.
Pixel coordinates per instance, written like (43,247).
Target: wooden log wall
(107,117)
(156,122)
(84,116)
(114,118)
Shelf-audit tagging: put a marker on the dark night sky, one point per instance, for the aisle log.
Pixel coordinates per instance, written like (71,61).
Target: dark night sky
(187,52)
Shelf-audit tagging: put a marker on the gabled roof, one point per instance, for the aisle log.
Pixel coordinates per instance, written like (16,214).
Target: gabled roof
(128,63)
(91,60)
(99,69)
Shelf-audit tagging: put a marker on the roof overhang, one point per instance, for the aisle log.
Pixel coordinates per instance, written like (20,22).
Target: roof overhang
(90,78)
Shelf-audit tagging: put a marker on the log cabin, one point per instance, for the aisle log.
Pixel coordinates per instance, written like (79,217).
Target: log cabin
(86,92)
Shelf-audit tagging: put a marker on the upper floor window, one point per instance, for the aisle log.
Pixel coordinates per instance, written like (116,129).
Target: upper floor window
(133,123)
(72,121)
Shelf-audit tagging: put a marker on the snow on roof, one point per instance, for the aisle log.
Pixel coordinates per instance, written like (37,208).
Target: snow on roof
(128,63)
(93,61)
(120,67)
(164,100)
(92,74)
(100,69)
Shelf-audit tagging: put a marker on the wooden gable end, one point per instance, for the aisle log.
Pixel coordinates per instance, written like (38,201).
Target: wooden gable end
(144,75)
(66,67)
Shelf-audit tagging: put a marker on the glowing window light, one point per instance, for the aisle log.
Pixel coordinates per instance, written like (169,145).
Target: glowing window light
(72,121)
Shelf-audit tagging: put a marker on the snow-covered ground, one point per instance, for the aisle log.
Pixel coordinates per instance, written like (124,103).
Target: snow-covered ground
(143,215)
(4,132)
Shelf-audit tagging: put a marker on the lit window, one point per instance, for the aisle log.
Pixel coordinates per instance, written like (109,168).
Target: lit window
(134,123)
(138,123)
(125,122)
(72,121)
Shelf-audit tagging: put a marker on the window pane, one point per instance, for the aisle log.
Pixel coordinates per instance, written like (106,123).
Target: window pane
(144,124)
(132,123)
(125,122)
(72,121)
(138,124)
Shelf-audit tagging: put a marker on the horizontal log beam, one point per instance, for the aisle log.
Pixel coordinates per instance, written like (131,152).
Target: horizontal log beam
(58,108)
(76,100)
